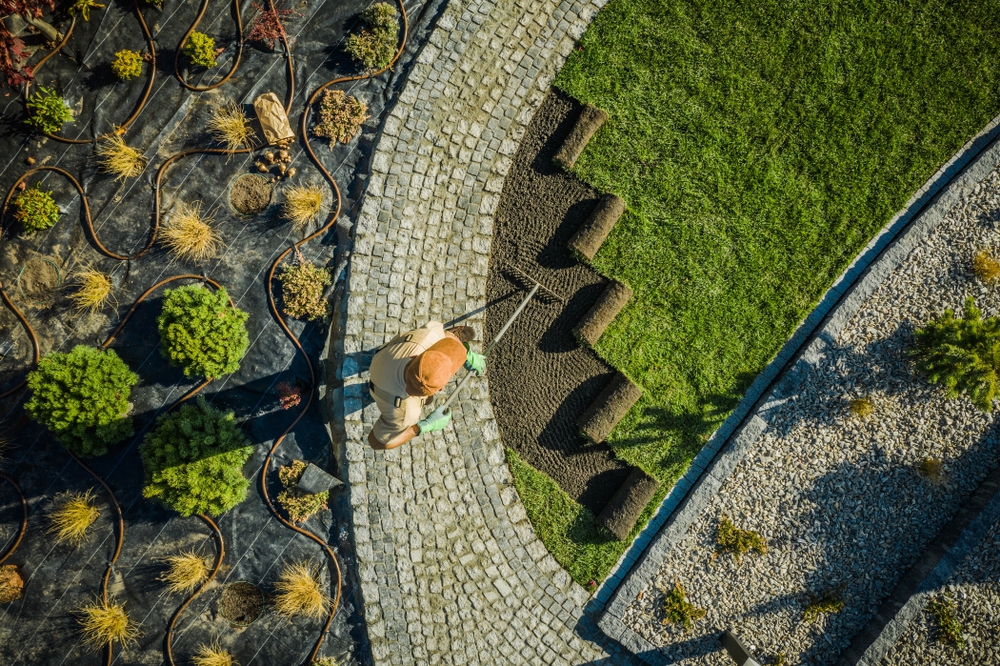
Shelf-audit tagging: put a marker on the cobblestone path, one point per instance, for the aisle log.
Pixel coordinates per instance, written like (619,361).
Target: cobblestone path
(450,568)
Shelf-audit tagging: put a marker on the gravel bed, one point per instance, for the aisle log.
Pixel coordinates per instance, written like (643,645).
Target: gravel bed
(838,497)
(975,590)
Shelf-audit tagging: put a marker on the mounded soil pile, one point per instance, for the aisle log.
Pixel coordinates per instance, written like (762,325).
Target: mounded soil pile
(596,321)
(541,379)
(241,603)
(623,510)
(609,408)
(588,121)
(39,279)
(250,194)
(588,240)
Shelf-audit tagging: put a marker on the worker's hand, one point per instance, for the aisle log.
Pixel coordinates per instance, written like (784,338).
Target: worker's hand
(436,420)
(475,362)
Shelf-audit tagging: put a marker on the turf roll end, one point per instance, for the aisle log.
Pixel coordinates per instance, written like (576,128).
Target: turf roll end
(590,120)
(609,408)
(590,236)
(607,307)
(626,505)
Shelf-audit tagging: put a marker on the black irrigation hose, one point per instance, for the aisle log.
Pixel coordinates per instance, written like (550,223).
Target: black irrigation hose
(24,517)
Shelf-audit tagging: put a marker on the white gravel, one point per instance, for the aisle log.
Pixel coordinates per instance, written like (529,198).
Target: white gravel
(838,498)
(975,589)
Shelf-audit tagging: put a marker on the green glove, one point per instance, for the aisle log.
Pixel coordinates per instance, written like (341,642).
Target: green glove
(475,362)
(436,420)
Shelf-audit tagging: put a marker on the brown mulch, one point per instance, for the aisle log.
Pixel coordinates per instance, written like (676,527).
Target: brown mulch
(39,279)
(241,603)
(250,194)
(541,380)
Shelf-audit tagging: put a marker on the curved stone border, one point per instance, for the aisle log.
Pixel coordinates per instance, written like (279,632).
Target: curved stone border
(449,564)
(805,348)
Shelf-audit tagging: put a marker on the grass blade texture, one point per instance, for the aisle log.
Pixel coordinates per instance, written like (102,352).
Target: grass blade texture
(759,146)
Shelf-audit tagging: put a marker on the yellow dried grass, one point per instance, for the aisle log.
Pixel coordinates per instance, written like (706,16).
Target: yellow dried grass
(189,233)
(302,204)
(72,515)
(298,591)
(102,622)
(185,571)
(213,655)
(93,290)
(986,268)
(231,127)
(116,157)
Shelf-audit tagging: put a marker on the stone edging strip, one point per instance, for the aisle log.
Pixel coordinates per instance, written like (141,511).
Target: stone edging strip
(780,380)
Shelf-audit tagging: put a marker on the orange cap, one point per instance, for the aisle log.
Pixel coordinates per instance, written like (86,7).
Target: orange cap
(428,373)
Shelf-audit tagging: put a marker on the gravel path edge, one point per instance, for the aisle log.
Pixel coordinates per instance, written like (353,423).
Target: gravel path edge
(781,379)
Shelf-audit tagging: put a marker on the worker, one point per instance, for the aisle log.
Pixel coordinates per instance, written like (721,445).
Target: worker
(407,371)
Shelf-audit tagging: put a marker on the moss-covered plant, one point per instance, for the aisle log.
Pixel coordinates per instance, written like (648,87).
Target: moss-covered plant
(986,268)
(828,601)
(302,285)
(82,398)
(375,46)
(862,407)
(200,50)
(299,504)
(36,209)
(47,111)
(194,460)
(340,116)
(127,65)
(949,628)
(71,516)
(678,610)
(963,354)
(201,332)
(731,539)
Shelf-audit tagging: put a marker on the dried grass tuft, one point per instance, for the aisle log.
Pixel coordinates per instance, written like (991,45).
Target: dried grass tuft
(213,655)
(986,268)
(299,593)
(116,157)
(932,469)
(862,407)
(189,233)
(302,204)
(185,571)
(231,127)
(93,290)
(102,622)
(72,515)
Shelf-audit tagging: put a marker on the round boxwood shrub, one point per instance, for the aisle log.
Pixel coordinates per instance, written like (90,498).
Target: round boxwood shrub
(201,332)
(194,460)
(127,64)
(82,397)
(200,50)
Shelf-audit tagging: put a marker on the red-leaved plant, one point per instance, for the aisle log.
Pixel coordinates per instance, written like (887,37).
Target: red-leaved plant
(12,52)
(267,27)
(289,395)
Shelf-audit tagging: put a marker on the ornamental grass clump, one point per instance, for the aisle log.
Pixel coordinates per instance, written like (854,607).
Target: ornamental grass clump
(36,209)
(678,610)
(213,655)
(93,290)
(731,539)
(82,398)
(116,157)
(963,354)
(375,46)
(298,503)
(986,268)
(932,469)
(949,628)
(829,601)
(185,571)
(298,592)
(47,111)
(200,50)
(231,127)
(340,116)
(103,622)
(862,407)
(302,204)
(302,285)
(72,515)
(11,583)
(202,332)
(127,64)
(189,233)
(194,460)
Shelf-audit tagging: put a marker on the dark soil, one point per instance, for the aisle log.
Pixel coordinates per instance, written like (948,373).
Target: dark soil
(250,194)
(39,279)
(541,379)
(241,603)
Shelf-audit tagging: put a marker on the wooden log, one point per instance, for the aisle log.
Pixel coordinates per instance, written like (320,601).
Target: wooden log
(603,312)
(626,505)
(608,409)
(590,236)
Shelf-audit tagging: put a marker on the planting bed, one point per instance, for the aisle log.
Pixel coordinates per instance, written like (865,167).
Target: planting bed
(113,229)
(846,503)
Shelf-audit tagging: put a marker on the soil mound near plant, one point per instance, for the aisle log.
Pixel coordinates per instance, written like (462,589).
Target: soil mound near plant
(541,379)
(250,194)
(39,279)
(241,603)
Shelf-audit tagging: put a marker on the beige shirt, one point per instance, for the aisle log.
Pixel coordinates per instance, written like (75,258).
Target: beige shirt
(398,410)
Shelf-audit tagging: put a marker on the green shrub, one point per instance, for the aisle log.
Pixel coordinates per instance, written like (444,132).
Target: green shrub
(829,601)
(201,332)
(194,460)
(82,397)
(298,503)
(949,628)
(375,46)
(678,610)
(961,354)
(36,209)
(127,65)
(47,111)
(302,286)
(200,50)
(732,539)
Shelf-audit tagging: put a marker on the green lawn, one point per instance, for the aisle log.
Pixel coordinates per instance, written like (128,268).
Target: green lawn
(759,146)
